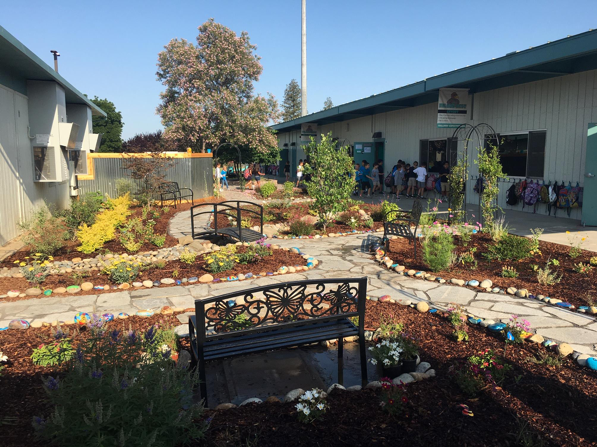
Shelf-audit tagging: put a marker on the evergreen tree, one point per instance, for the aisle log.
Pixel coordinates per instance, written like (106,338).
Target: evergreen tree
(291,107)
(328,104)
(110,127)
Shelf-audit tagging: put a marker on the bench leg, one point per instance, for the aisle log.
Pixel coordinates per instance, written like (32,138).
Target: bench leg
(203,381)
(363,352)
(341,361)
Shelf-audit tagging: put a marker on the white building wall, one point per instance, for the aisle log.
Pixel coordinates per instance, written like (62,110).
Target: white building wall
(563,106)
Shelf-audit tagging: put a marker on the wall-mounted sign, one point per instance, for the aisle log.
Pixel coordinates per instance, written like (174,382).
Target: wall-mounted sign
(358,148)
(367,149)
(452,108)
(308,130)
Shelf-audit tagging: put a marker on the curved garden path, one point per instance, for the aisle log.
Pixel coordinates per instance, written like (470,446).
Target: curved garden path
(338,257)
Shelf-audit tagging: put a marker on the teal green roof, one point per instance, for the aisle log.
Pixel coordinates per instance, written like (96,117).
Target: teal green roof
(18,64)
(565,56)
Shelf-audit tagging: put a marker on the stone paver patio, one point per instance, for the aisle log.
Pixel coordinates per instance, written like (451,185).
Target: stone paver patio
(339,257)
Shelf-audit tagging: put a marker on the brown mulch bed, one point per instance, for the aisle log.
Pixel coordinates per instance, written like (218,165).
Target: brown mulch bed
(69,251)
(573,287)
(555,404)
(270,264)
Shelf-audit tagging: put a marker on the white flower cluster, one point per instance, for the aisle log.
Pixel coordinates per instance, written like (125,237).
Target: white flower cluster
(311,401)
(3,358)
(388,352)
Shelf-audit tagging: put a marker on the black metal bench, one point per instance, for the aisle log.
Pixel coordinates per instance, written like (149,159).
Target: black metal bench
(278,316)
(230,208)
(171,191)
(403,224)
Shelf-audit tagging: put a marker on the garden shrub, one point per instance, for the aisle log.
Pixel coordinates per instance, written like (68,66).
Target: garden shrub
(38,270)
(510,248)
(44,233)
(376,213)
(457,317)
(509,272)
(351,218)
(121,389)
(124,186)
(122,271)
(490,168)
(188,257)
(254,253)
(84,210)
(267,189)
(52,354)
(288,189)
(103,230)
(546,277)
(301,228)
(386,210)
(220,261)
(438,250)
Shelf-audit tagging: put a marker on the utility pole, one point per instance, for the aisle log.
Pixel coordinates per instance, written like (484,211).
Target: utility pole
(304,58)
(56,54)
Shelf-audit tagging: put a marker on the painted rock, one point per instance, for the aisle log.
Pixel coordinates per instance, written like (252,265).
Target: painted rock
(418,274)
(472,320)
(310,264)
(269,274)
(248,275)
(99,287)
(156,283)
(496,327)
(548,343)
(124,286)
(82,318)
(473,283)
(144,313)
(123,315)
(232,278)
(592,363)
(167,281)
(432,311)
(178,282)
(137,284)
(3,328)
(73,289)
(206,278)
(495,290)
(18,324)
(231,303)
(385,298)
(13,293)
(86,286)
(108,317)
(216,280)
(47,292)
(283,270)
(509,336)
(583,308)
(193,279)
(565,305)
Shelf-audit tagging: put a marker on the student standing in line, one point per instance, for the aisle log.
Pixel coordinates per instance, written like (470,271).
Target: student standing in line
(367,178)
(375,178)
(399,179)
(219,175)
(224,178)
(299,172)
(444,173)
(287,171)
(412,180)
(380,175)
(421,172)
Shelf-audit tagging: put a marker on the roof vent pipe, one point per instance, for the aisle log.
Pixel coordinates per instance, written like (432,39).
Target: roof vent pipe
(56,54)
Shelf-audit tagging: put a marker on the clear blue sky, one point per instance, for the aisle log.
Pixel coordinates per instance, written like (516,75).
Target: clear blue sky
(354,48)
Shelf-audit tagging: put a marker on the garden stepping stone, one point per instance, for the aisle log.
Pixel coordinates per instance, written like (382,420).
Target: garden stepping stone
(18,324)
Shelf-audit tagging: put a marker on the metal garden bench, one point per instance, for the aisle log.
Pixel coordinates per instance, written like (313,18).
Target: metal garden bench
(278,316)
(403,224)
(232,209)
(171,191)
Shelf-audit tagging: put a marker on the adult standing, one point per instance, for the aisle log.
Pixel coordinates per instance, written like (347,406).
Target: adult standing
(287,171)
(444,173)
(299,172)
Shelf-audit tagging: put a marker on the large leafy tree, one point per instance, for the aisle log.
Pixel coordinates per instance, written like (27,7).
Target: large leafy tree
(291,106)
(110,126)
(328,104)
(209,97)
(331,180)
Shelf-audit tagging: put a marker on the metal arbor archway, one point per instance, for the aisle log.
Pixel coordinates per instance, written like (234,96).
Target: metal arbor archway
(465,132)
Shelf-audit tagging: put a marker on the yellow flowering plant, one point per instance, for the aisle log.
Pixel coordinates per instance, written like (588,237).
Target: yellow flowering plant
(122,270)
(220,261)
(575,245)
(38,270)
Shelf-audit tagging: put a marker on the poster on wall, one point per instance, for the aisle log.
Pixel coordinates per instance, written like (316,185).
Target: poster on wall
(308,130)
(452,108)
(358,148)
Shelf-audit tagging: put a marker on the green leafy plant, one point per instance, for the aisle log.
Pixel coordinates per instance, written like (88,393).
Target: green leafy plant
(468,382)
(267,189)
(220,261)
(245,222)
(545,358)
(468,257)
(301,228)
(188,257)
(546,277)
(498,229)
(457,317)
(158,240)
(376,213)
(37,270)
(575,245)
(368,222)
(510,248)
(488,362)
(583,269)
(53,354)
(509,272)
(311,406)
(593,261)
(554,262)
(457,180)
(387,211)
(393,397)
(122,270)
(44,233)
(288,189)
(124,186)
(84,210)
(329,167)
(438,248)
(254,253)
(490,168)
(121,388)
(535,235)
(159,264)
(389,328)
(410,347)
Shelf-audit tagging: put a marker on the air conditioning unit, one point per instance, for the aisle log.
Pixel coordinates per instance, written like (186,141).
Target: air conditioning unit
(95,140)
(68,134)
(79,159)
(50,164)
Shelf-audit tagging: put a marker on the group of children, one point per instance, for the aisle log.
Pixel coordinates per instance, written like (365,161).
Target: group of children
(408,180)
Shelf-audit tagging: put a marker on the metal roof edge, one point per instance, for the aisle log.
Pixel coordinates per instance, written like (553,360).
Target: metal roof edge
(19,46)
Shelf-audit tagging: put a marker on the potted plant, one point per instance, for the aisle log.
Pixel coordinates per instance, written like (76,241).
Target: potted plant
(386,355)
(410,351)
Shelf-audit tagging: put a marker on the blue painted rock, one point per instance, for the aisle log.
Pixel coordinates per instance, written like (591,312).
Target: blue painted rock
(394,266)
(232,278)
(548,343)
(248,275)
(418,274)
(3,328)
(472,320)
(82,318)
(310,264)
(497,327)
(178,282)
(123,315)
(283,270)
(592,363)
(47,292)
(473,283)
(583,307)
(107,317)
(193,279)
(98,287)
(432,311)
(565,305)
(474,231)
(18,324)
(156,283)
(509,336)
(231,303)
(144,313)
(270,274)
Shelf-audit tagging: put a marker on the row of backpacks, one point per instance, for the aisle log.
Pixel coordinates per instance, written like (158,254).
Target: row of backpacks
(554,196)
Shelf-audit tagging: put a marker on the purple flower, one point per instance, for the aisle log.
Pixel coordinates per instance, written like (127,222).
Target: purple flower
(124,384)
(150,334)
(132,337)
(39,423)
(114,335)
(52,383)
(166,354)
(97,374)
